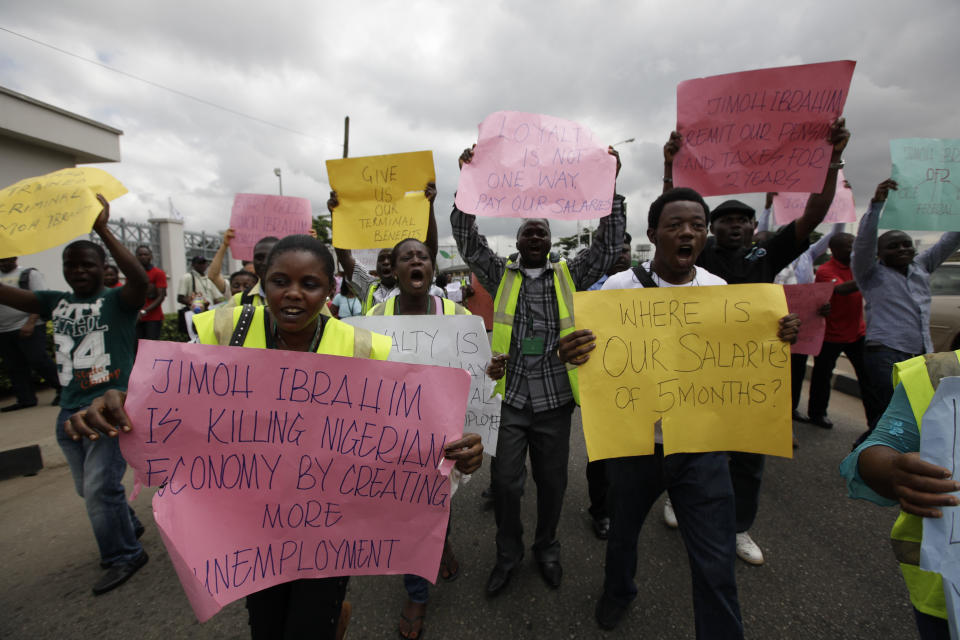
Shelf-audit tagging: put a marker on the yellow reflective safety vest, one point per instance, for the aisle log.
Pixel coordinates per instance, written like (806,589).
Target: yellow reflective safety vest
(388,306)
(505,305)
(920,377)
(254,297)
(248,323)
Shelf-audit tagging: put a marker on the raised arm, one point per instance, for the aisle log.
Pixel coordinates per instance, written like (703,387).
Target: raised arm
(864,258)
(819,203)
(134,291)
(670,150)
(216,265)
(943,249)
(432,243)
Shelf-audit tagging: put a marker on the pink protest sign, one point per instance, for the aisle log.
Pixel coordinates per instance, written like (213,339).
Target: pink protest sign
(758,131)
(804,300)
(787,207)
(257,216)
(528,165)
(274,467)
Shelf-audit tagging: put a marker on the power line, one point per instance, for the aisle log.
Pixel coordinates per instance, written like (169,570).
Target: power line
(160,86)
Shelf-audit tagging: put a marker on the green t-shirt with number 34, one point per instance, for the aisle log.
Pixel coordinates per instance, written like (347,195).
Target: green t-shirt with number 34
(95,340)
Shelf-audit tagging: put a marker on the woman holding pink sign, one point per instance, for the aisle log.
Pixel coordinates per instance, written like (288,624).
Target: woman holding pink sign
(299,271)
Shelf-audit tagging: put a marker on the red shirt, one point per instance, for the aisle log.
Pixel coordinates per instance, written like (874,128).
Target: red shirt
(845,322)
(159,280)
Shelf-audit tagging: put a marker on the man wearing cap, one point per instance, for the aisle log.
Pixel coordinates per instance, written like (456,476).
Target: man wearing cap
(196,286)
(729,258)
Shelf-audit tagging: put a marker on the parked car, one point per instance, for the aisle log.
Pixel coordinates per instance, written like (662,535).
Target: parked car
(945,307)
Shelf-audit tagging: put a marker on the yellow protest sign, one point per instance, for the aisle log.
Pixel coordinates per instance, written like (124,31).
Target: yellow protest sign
(381,199)
(705,361)
(46,211)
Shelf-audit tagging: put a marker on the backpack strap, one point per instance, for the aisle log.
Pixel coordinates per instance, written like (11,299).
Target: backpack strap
(242,328)
(644,276)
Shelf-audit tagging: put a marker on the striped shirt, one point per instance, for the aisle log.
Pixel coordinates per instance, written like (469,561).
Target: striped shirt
(542,379)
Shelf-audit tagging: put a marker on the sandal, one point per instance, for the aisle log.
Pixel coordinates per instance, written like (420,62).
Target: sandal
(449,566)
(415,621)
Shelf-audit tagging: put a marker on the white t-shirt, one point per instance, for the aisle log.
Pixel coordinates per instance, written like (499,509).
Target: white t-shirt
(628,280)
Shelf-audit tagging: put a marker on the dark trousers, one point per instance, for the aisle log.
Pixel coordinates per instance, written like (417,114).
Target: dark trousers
(299,609)
(798,370)
(931,627)
(547,435)
(746,474)
(823,365)
(149,329)
(598,486)
(702,496)
(21,356)
(878,364)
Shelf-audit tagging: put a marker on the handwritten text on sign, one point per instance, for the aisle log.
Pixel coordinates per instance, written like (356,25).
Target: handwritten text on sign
(705,360)
(927,171)
(527,165)
(447,341)
(759,131)
(257,216)
(381,199)
(49,210)
(274,469)
(787,207)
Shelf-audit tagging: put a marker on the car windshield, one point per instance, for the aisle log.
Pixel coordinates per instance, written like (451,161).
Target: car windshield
(945,281)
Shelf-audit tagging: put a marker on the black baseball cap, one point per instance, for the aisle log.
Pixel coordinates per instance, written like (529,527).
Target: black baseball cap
(732,206)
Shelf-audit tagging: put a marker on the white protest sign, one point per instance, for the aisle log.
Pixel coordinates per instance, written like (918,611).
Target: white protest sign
(939,445)
(447,341)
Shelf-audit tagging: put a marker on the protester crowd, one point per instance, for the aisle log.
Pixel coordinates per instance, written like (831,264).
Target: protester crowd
(290,299)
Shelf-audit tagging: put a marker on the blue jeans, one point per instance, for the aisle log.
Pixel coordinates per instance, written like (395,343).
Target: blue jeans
(98,467)
(878,364)
(702,497)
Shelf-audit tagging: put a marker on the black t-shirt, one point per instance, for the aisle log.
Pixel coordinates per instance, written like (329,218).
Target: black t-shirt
(757,264)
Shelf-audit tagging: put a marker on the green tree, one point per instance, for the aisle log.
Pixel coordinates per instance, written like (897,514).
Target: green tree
(567,245)
(321,224)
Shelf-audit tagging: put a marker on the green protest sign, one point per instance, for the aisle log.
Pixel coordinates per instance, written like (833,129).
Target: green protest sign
(927,171)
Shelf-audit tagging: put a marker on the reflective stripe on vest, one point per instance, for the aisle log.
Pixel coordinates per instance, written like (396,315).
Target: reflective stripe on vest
(505,306)
(368,302)
(920,377)
(388,308)
(339,338)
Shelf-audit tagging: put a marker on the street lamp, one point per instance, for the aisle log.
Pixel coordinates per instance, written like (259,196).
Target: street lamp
(276,172)
(624,142)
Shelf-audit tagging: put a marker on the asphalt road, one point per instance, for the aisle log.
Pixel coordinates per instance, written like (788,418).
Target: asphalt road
(829,573)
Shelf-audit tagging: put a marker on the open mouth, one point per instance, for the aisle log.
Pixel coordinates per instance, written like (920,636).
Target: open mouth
(685,251)
(417,277)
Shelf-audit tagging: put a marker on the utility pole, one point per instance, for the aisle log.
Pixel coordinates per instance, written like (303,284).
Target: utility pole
(346,135)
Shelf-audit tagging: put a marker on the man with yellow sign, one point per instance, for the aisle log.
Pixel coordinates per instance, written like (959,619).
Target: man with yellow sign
(698,482)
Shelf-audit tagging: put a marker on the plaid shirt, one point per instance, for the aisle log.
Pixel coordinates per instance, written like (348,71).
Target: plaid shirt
(539,379)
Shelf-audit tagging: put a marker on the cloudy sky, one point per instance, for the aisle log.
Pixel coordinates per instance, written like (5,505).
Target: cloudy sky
(422,75)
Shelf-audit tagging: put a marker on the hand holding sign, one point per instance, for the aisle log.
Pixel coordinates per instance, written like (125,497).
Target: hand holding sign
(759,131)
(272,470)
(49,210)
(709,362)
(527,165)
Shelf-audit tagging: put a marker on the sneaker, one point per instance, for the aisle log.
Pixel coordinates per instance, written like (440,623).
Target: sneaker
(747,549)
(669,517)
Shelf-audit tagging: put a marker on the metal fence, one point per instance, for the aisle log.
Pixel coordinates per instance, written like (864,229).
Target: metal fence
(134,234)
